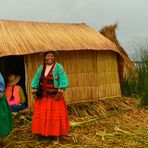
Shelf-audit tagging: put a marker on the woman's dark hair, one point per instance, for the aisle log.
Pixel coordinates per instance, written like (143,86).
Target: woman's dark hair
(44,63)
(45,53)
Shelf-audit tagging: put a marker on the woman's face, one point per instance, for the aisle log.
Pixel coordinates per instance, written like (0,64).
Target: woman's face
(49,58)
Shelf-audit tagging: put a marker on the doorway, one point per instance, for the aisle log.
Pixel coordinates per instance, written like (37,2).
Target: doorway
(13,65)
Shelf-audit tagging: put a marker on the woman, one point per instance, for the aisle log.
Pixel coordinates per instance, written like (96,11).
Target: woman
(5,112)
(50,116)
(15,94)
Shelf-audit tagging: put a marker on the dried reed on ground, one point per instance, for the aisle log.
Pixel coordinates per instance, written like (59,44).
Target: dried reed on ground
(102,124)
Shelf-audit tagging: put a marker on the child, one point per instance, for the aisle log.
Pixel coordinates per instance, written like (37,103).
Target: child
(15,94)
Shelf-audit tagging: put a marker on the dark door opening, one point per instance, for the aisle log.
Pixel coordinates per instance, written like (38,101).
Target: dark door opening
(13,65)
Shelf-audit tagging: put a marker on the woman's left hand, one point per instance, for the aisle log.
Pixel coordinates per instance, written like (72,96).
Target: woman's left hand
(58,96)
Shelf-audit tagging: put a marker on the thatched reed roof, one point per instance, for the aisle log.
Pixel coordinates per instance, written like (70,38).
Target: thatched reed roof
(20,37)
(110,33)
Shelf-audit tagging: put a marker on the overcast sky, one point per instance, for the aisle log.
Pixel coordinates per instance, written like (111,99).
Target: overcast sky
(131,15)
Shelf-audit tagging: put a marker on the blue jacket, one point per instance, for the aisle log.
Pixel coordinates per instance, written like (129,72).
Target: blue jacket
(2,83)
(59,76)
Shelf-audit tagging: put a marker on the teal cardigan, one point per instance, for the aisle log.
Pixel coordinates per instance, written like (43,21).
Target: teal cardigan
(59,76)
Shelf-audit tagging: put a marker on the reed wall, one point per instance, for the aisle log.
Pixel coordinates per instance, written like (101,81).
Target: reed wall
(93,75)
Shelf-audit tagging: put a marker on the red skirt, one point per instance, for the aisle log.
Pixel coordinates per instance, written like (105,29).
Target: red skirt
(50,117)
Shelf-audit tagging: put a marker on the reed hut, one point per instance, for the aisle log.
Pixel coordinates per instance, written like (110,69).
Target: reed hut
(91,61)
(109,32)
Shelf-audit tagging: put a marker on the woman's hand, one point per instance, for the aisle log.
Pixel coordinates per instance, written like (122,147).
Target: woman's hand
(58,96)
(34,96)
(33,91)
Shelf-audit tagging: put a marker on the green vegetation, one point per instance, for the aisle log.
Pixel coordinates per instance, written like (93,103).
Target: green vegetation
(137,86)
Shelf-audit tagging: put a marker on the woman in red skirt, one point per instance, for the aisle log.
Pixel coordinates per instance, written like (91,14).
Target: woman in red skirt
(50,117)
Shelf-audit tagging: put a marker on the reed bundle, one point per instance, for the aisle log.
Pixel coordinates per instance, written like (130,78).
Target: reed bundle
(110,33)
